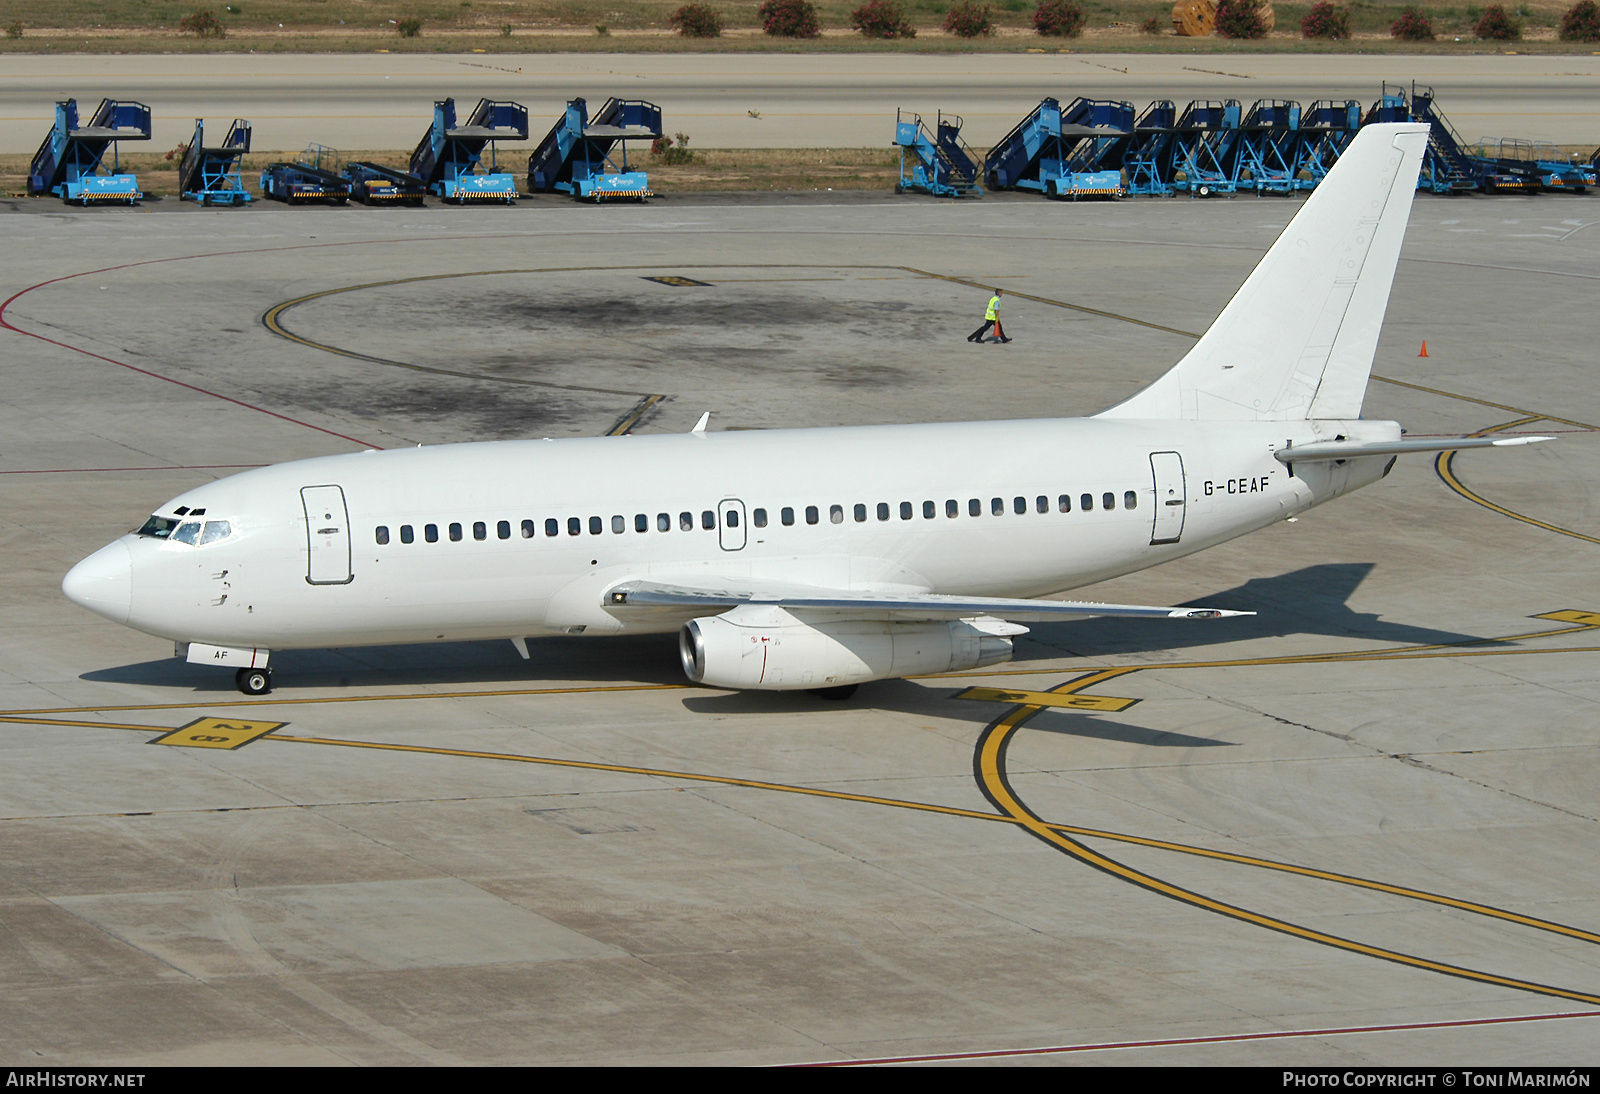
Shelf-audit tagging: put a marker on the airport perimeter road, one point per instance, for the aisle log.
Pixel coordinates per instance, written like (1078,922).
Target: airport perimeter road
(1356,828)
(368,101)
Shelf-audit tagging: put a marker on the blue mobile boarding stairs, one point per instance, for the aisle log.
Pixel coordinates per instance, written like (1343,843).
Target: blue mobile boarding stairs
(1063,153)
(1097,133)
(1539,162)
(1326,130)
(942,164)
(575,157)
(1562,171)
(1447,166)
(1266,152)
(313,177)
(210,176)
(1147,156)
(1204,146)
(447,159)
(69,164)
(374,184)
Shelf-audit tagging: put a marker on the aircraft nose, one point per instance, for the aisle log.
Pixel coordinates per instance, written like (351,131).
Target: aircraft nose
(103,582)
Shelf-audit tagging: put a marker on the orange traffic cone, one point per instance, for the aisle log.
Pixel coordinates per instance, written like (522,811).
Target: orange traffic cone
(1424,352)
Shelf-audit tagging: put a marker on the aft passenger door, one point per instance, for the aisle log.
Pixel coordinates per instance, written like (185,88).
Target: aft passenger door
(327,536)
(1166,468)
(730,524)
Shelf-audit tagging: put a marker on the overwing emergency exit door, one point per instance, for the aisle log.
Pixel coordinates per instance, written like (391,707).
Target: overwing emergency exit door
(327,536)
(1166,468)
(730,522)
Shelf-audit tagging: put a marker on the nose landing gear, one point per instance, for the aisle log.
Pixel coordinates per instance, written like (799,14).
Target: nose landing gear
(253,681)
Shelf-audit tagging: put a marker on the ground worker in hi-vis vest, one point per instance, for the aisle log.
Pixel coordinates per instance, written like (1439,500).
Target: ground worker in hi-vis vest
(991,316)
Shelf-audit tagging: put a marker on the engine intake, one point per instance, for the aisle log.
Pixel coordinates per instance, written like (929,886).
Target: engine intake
(771,650)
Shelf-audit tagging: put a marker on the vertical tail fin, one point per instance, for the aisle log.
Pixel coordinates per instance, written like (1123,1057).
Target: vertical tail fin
(1297,339)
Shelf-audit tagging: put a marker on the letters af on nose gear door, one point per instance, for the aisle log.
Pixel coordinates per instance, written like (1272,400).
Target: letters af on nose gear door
(327,536)
(1166,468)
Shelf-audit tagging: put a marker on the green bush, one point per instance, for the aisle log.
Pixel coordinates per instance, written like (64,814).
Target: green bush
(409,28)
(1059,18)
(1241,19)
(664,150)
(1580,24)
(1326,20)
(1496,25)
(789,19)
(969,19)
(882,19)
(1412,26)
(202,23)
(14,30)
(697,21)
(1152,25)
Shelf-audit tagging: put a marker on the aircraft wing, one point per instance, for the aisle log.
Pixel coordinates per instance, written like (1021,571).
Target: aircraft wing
(1349,450)
(904,606)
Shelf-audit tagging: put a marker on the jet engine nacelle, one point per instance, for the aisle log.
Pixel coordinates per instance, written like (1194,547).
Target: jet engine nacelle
(771,650)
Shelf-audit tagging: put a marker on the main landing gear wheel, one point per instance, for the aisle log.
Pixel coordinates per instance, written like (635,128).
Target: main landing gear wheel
(253,681)
(840,693)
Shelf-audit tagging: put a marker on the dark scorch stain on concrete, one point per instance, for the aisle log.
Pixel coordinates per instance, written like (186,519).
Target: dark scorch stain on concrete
(656,339)
(472,409)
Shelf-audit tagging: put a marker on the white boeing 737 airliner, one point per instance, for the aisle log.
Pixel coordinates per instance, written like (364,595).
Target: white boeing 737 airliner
(808,558)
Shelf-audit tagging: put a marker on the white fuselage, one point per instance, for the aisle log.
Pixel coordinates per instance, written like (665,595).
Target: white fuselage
(254,588)
(808,557)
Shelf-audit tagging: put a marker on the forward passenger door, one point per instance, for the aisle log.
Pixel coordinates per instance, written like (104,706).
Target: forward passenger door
(327,535)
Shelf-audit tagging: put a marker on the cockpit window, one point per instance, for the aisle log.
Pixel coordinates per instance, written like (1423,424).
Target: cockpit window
(215,530)
(159,527)
(195,533)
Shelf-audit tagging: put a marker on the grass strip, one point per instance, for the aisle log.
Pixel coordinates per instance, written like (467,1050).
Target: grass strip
(629,26)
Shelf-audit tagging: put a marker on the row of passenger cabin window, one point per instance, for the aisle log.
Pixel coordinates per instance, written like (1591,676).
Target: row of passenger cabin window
(758,517)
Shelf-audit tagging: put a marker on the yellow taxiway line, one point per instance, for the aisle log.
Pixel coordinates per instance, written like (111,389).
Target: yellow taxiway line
(968,814)
(1444,466)
(990,767)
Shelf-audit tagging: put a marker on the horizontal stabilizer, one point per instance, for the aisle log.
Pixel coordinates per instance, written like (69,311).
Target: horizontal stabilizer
(1349,450)
(889,606)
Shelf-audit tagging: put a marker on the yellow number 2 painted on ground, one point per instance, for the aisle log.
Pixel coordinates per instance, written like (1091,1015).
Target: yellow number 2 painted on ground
(217,733)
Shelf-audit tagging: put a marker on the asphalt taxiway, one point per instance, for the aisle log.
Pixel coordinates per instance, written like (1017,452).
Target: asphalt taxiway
(774,100)
(1359,827)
